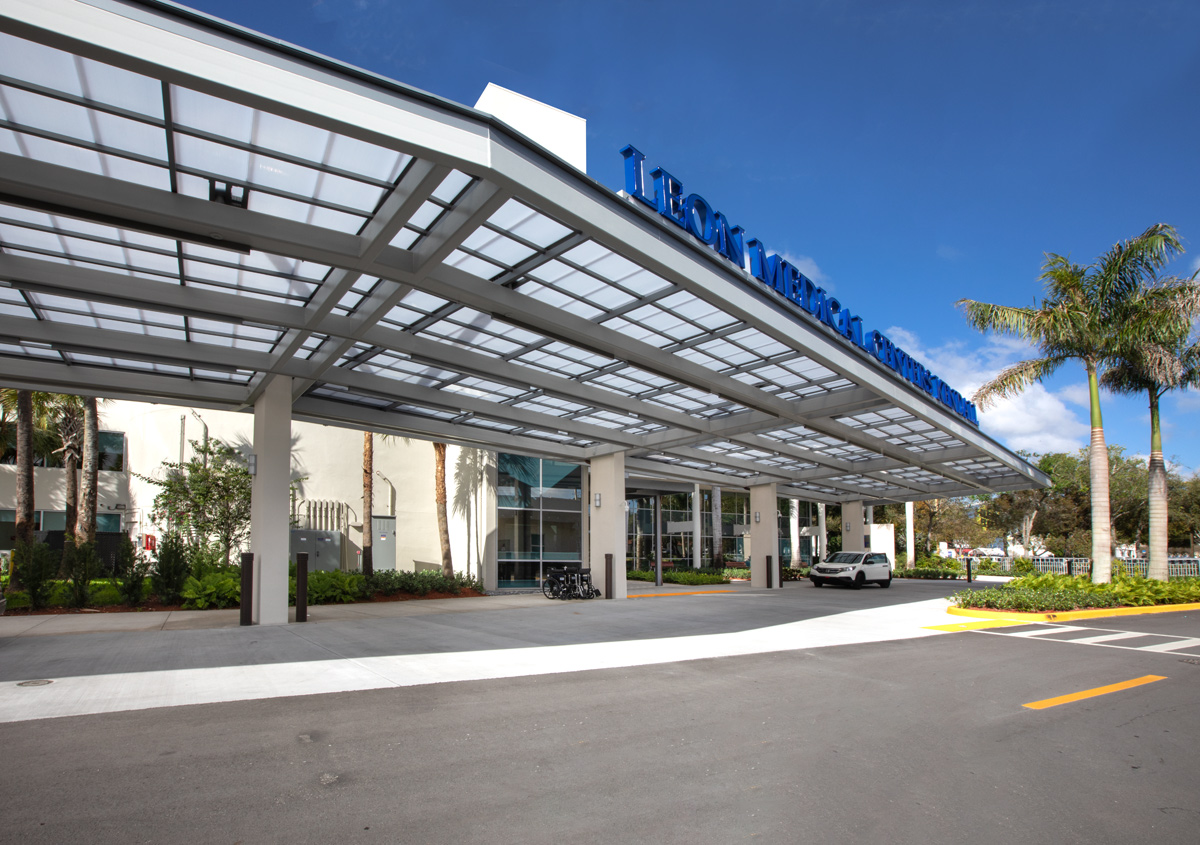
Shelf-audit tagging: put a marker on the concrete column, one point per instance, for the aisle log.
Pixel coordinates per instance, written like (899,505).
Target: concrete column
(697,528)
(269,518)
(718,528)
(822,539)
(870,522)
(794,531)
(853,523)
(764,533)
(608,521)
(910,537)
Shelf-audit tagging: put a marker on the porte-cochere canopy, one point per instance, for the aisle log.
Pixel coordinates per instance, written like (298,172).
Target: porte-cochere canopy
(189,210)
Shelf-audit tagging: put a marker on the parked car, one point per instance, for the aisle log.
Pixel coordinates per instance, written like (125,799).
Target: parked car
(853,569)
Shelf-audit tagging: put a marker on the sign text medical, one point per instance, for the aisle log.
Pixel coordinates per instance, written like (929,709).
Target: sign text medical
(692,213)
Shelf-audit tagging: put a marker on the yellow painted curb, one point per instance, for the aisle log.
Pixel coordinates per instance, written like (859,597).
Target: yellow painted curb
(665,595)
(1067,615)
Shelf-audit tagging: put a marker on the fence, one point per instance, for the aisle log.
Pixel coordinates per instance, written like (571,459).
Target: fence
(1188,567)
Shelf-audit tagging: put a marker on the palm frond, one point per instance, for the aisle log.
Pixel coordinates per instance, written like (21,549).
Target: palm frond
(1014,379)
(1002,319)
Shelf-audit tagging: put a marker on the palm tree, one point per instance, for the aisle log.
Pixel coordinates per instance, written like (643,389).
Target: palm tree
(1154,366)
(368,468)
(1084,318)
(439,498)
(85,527)
(69,420)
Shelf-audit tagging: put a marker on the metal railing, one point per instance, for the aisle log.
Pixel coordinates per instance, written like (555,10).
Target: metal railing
(1182,567)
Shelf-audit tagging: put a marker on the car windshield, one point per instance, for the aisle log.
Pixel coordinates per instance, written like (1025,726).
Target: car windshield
(846,557)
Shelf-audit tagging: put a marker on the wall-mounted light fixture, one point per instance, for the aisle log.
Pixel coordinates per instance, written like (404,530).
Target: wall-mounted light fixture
(252,464)
(597,500)
(757,516)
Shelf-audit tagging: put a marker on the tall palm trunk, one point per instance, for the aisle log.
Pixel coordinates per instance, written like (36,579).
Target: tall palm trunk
(368,468)
(1158,497)
(439,497)
(25,466)
(71,493)
(1098,468)
(85,529)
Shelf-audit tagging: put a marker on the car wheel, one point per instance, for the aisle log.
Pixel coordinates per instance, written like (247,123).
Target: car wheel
(859,580)
(816,582)
(887,583)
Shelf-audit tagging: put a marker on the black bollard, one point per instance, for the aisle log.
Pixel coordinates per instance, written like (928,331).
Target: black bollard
(770,573)
(968,570)
(609,576)
(302,586)
(247,588)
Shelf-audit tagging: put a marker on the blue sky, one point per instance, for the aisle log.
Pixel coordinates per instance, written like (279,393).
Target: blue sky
(905,154)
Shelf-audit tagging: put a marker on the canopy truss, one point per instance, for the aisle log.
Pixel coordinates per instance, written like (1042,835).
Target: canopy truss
(189,210)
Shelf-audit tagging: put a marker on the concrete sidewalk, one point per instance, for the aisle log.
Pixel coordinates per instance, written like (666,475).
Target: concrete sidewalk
(118,662)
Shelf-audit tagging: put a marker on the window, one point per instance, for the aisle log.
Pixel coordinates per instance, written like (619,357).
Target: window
(112,451)
(539,520)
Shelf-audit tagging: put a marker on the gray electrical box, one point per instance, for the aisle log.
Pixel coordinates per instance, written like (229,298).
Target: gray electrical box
(383,542)
(324,548)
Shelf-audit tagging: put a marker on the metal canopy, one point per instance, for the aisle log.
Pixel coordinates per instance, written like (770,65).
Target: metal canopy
(188,210)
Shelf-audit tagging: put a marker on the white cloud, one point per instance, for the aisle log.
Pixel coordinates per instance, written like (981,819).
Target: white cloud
(1038,420)
(1077,394)
(808,267)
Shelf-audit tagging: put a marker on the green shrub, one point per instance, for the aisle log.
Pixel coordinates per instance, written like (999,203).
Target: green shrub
(217,589)
(389,582)
(1023,566)
(926,572)
(130,574)
(105,594)
(1050,592)
(639,575)
(327,587)
(171,569)
(728,572)
(17,599)
(80,564)
(35,565)
(693,577)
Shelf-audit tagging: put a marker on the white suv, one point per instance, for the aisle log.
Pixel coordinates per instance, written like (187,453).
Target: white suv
(854,569)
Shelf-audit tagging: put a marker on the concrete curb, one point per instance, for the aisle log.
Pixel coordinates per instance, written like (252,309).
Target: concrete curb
(1066,615)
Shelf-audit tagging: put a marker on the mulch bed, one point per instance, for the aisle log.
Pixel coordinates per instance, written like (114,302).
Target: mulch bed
(154,605)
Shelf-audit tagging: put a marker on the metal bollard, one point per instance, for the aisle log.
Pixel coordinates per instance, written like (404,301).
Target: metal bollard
(247,588)
(1070,568)
(968,570)
(302,586)
(770,572)
(609,576)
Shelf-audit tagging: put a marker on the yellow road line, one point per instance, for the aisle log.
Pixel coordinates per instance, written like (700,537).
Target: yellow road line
(664,595)
(1092,693)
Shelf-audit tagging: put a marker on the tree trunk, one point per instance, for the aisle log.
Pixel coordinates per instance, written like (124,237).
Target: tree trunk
(85,530)
(71,493)
(24,518)
(439,497)
(1098,470)
(368,467)
(1158,497)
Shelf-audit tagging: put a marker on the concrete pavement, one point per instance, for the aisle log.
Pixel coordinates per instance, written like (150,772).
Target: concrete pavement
(118,662)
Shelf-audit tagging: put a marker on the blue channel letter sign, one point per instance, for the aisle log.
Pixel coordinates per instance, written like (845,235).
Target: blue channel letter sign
(692,213)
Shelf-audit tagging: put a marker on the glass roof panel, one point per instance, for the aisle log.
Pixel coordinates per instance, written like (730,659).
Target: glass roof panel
(498,248)
(451,187)
(528,225)
(94,127)
(77,158)
(470,264)
(101,83)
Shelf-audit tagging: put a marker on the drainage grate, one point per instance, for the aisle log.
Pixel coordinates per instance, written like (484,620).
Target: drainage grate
(40,683)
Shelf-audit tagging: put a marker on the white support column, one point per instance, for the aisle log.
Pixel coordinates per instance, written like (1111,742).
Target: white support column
(718,529)
(822,539)
(608,521)
(853,523)
(764,534)
(870,522)
(697,528)
(269,519)
(910,537)
(794,531)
